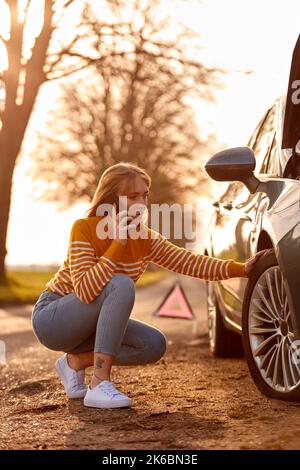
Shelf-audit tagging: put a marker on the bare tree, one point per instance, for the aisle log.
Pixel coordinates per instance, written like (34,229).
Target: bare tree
(132,106)
(29,66)
(34,56)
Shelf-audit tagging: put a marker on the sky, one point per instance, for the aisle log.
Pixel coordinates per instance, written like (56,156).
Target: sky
(237,35)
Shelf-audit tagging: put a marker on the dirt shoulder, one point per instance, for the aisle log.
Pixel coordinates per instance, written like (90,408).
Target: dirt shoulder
(187,400)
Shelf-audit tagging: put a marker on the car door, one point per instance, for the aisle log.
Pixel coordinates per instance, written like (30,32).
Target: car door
(238,219)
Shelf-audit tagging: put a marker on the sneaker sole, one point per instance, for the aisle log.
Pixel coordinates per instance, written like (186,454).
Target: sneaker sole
(105,404)
(62,377)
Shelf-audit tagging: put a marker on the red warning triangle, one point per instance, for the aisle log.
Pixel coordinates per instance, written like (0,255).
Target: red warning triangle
(175,304)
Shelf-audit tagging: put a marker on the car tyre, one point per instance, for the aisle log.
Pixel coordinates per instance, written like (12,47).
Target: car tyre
(268,337)
(222,342)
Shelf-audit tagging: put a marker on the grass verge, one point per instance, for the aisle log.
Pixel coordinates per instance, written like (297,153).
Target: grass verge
(26,286)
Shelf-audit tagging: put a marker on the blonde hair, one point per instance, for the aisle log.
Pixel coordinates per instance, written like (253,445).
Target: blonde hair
(113,179)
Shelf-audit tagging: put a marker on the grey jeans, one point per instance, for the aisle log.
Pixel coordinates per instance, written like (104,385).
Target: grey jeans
(64,323)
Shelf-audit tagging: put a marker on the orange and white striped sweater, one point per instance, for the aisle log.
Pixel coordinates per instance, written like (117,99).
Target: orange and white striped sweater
(91,261)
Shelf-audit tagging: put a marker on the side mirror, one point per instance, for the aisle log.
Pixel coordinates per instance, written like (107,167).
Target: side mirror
(236,164)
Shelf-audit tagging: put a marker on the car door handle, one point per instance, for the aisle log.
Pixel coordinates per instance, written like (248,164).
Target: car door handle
(227,205)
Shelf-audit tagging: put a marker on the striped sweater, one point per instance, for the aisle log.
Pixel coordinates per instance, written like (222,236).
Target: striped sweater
(92,261)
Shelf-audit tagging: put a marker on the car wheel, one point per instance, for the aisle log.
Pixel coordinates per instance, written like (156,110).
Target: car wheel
(268,333)
(222,342)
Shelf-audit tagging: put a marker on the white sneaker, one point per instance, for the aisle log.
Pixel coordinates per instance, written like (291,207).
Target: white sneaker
(72,380)
(105,395)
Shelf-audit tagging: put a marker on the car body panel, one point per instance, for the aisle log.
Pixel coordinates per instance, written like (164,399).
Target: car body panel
(240,218)
(282,221)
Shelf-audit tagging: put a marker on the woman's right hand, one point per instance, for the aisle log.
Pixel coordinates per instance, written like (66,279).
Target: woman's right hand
(122,221)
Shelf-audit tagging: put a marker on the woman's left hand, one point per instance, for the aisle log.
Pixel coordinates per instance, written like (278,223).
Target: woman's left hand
(250,263)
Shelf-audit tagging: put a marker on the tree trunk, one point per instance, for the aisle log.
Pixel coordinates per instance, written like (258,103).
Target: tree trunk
(7,162)
(15,116)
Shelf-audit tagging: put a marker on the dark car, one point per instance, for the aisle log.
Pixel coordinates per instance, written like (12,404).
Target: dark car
(259,210)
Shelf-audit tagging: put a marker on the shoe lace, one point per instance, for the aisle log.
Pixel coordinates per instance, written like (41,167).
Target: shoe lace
(111,391)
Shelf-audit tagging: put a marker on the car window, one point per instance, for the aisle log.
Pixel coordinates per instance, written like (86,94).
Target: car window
(255,132)
(292,169)
(263,142)
(269,166)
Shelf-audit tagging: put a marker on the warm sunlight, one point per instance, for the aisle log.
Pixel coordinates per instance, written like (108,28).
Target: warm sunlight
(149,229)
(4,33)
(32,30)
(248,39)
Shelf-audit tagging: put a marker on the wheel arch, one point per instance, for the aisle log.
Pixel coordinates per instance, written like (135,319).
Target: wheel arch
(264,241)
(290,273)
